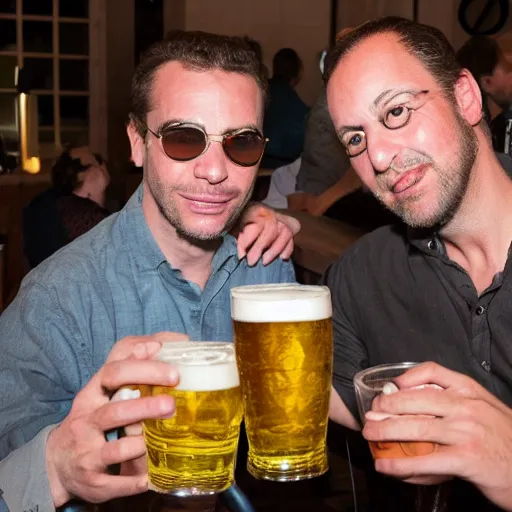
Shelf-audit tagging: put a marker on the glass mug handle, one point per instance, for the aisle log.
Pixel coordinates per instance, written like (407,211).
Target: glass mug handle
(126,393)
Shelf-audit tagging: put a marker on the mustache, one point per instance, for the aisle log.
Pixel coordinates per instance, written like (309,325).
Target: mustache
(404,164)
(400,165)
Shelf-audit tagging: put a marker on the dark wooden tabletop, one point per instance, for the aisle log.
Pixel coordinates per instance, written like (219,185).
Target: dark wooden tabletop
(321,241)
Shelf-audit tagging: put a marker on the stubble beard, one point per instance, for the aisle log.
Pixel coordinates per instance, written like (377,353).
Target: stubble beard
(167,207)
(453,182)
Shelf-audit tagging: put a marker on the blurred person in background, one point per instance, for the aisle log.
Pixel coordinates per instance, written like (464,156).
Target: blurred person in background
(285,115)
(74,204)
(324,161)
(282,185)
(326,184)
(485,59)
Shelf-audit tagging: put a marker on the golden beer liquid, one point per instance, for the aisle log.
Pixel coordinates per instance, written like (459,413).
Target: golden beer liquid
(194,451)
(285,372)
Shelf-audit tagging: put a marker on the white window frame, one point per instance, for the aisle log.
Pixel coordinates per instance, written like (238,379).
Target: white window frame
(97,125)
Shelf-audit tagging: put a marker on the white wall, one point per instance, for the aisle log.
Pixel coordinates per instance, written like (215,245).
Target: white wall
(304,24)
(299,24)
(442,14)
(352,13)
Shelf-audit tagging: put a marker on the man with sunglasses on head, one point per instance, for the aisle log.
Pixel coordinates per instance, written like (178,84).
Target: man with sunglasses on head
(437,289)
(165,263)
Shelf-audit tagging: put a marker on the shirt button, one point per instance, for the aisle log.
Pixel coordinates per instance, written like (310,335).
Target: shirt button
(480,310)
(486,366)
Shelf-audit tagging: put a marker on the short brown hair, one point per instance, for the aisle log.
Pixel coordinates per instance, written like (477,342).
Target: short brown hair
(197,51)
(426,43)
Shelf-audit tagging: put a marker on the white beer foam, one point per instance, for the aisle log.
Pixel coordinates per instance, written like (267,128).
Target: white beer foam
(203,366)
(280,303)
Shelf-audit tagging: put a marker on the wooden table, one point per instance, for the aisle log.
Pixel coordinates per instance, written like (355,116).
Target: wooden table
(321,241)
(153,502)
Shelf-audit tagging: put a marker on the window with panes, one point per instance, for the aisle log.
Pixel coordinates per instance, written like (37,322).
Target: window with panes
(50,40)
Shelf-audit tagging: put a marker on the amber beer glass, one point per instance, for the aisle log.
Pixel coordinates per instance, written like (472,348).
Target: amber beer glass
(369,384)
(193,453)
(284,344)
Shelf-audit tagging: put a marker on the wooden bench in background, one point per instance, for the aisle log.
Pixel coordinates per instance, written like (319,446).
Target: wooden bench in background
(319,243)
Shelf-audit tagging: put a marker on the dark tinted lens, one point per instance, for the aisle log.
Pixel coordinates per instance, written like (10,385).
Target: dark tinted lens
(245,148)
(183,143)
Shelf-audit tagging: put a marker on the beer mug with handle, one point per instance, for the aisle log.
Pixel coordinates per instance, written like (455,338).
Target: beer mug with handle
(193,452)
(284,345)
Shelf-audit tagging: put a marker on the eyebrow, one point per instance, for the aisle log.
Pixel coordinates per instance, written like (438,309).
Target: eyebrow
(176,121)
(172,122)
(390,94)
(385,96)
(241,128)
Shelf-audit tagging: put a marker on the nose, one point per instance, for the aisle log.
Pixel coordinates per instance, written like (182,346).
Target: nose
(382,147)
(212,164)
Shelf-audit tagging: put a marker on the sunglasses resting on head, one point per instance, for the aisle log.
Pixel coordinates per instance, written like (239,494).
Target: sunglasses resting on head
(185,141)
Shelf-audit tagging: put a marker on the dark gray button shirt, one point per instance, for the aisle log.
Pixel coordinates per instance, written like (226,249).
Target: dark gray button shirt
(398,297)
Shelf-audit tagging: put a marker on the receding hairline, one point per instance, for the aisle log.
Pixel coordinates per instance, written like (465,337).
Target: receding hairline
(399,88)
(426,43)
(393,35)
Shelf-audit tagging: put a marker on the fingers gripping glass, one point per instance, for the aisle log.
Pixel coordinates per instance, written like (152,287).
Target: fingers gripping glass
(184,142)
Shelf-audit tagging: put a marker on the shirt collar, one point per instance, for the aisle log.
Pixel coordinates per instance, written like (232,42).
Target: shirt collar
(144,249)
(426,240)
(430,242)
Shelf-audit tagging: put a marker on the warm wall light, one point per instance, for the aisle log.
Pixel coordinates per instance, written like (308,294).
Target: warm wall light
(30,164)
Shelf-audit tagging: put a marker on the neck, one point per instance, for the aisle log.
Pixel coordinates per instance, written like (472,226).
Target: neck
(192,258)
(89,193)
(479,235)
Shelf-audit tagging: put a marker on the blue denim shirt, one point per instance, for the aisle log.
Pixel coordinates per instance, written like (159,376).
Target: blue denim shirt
(110,283)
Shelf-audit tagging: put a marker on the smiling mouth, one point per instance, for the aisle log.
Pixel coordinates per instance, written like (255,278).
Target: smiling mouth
(204,204)
(409,179)
(207,199)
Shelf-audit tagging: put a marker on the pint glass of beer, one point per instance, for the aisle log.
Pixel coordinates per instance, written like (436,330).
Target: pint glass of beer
(369,384)
(284,344)
(193,453)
